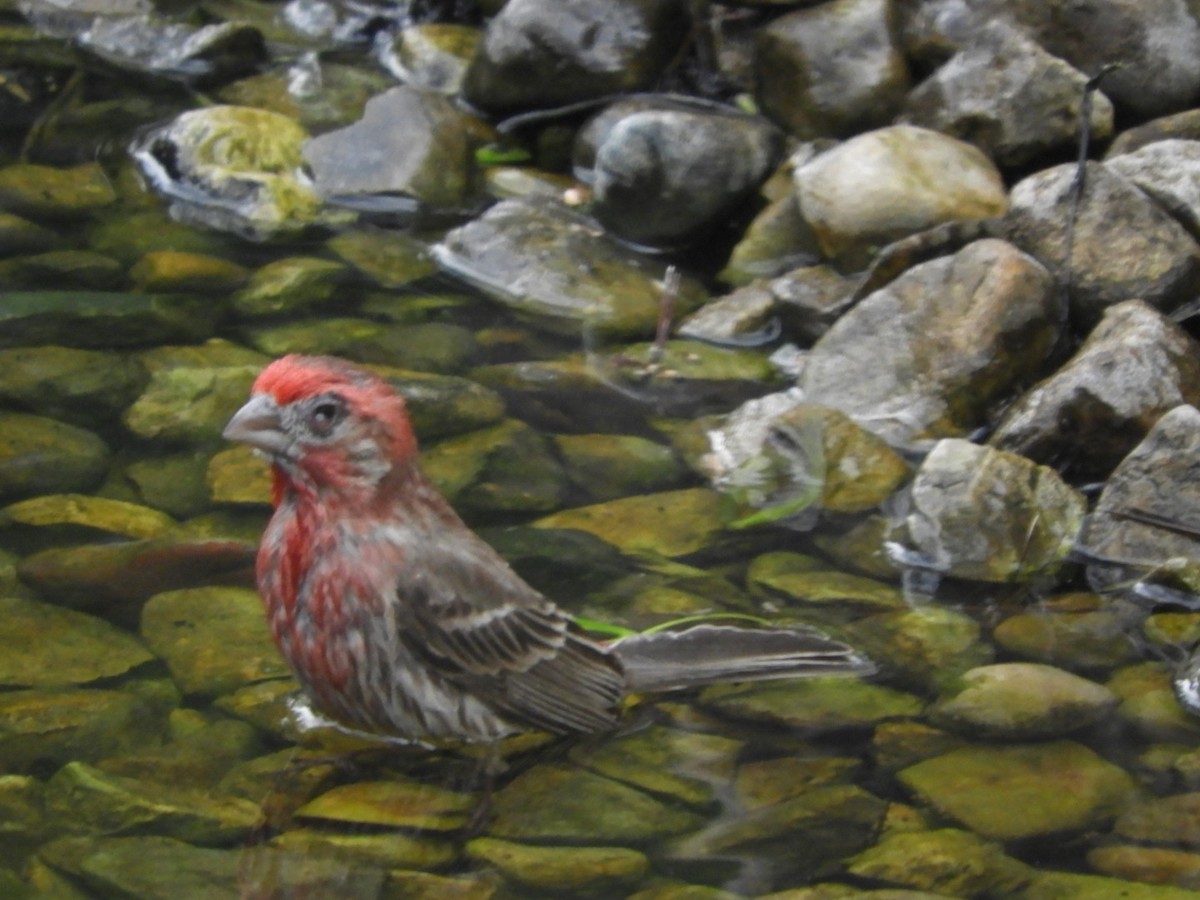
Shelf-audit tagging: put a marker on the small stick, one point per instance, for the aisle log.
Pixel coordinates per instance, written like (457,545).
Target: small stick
(666,311)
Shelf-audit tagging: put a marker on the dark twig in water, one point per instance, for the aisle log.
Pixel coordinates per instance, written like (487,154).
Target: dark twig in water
(1080,181)
(666,311)
(1145,517)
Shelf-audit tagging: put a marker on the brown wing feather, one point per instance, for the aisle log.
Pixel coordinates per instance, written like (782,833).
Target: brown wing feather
(496,637)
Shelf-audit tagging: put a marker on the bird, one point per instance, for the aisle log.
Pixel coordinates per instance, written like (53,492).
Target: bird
(399,621)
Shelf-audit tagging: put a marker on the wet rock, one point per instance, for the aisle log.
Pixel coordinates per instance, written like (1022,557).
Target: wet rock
(390,258)
(199,753)
(567,869)
(1069,886)
(21,804)
(432,346)
(233,168)
(45,646)
(207,54)
(365,851)
(909,370)
(433,56)
(290,286)
(1134,367)
(544,261)
(174,271)
(811,705)
(508,467)
(860,548)
(1022,701)
(924,647)
(189,405)
(214,640)
(898,745)
(946,862)
(1124,244)
(318,93)
(1184,126)
(81,799)
(1150,705)
(1153,483)
(568,395)
(890,183)
(771,781)
(807,585)
(1155,865)
(561,803)
(45,456)
(670,523)
(1172,821)
(666,762)
(1009,793)
(20,236)
(531,57)
(662,176)
(776,241)
(746,318)
(102,319)
(1169,171)
(83,387)
(988,515)
(811,299)
(146,866)
(411,149)
(608,466)
(1008,96)
(1157,43)
(62,269)
(396,803)
(125,573)
(811,834)
(173,483)
(1076,632)
(806,81)
(52,194)
(98,513)
(40,727)
(789,460)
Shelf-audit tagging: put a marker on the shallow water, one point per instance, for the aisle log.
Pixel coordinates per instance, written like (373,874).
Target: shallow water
(168,766)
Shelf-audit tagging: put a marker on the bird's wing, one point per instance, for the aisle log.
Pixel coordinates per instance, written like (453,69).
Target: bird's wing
(493,635)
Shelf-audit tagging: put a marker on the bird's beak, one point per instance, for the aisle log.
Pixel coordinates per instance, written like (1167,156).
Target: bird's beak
(258,424)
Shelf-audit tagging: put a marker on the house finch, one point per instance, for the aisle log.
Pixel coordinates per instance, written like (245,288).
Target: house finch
(397,619)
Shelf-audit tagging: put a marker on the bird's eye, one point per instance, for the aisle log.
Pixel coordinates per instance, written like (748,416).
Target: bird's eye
(324,417)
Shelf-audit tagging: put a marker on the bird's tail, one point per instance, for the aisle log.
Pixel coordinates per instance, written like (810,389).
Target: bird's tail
(709,654)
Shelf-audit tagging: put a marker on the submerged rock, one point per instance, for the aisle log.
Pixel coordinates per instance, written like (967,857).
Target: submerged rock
(56,726)
(204,54)
(70,647)
(569,869)
(140,866)
(45,456)
(214,640)
(562,803)
(233,168)
(987,515)
(946,862)
(82,799)
(543,260)
(1010,793)
(54,194)
(1022,701)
